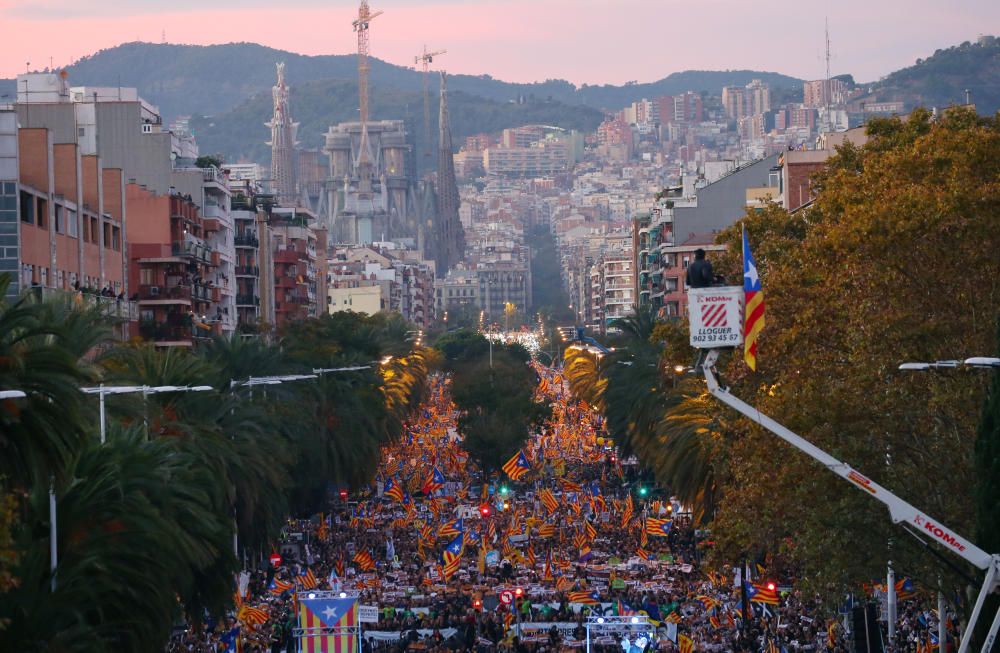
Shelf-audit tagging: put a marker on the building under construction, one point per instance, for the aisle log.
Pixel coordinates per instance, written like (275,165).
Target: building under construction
(369,192)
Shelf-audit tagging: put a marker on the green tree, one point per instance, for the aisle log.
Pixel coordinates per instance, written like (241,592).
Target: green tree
(496,398)
(892,262)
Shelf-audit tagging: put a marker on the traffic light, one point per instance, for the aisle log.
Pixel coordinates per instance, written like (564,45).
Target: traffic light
(484,510)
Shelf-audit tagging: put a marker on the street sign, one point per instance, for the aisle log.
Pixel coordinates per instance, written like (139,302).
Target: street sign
(368,614)
(716,317)
(506,597)
(275,560)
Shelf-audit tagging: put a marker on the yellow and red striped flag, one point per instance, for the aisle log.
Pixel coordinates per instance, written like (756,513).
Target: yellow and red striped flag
(365,561)
(753,320)
(517,466)
(549,500)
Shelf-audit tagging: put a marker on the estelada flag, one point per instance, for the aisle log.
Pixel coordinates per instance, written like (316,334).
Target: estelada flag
(753,320)
(329,625)
(517,466)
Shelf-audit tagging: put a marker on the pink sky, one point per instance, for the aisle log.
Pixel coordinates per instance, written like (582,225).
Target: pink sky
(584,41)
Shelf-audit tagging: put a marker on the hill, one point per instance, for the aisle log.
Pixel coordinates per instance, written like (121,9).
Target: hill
(196,79)
(941,79)
(240,134)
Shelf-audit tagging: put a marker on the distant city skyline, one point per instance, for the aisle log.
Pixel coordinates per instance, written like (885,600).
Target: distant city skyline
(582,41)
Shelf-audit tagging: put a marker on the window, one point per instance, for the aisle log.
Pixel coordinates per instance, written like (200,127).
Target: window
(43,213)
(106,241)
(27,208)
(81,131)
(60,226)
(116,239)
(72,226)
(146,277)
(93,230)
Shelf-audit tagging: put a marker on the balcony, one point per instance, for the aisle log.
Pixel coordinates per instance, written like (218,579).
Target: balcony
(247,300)
(177,294)
(247,271)
(246,240)
(287,256)
(108,306)
(165,334)
(193,248)
(211,224)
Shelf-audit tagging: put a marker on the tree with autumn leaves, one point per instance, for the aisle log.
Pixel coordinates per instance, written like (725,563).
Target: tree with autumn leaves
(897,259)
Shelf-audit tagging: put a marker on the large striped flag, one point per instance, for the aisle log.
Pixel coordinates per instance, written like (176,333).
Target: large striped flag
(628,511)
(394,489)
(278,586)
(307,580)
(760,593)
(685,644)
(549,500)
(658,527)
(451,529)
(517,466)
(364,560)
(452,556)
(585,598)
(753,321)
(329,625)
(434,482)
(252,616)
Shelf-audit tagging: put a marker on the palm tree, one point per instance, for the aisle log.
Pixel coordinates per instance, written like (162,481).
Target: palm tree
(41,353)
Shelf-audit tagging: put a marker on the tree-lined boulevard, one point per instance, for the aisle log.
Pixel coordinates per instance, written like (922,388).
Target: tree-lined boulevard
(427,480)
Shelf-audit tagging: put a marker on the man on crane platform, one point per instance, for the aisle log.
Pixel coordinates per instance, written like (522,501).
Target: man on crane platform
(699,274)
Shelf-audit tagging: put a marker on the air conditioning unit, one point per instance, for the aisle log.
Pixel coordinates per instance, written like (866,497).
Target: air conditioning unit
(154,291)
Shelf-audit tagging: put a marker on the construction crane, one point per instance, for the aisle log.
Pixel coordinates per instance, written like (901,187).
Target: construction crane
(426,59)
(365,16)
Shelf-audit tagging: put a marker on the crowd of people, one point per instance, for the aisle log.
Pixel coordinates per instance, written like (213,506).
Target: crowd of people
(565,525)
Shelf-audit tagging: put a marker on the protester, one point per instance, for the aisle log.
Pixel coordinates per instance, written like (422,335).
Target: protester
(569,531)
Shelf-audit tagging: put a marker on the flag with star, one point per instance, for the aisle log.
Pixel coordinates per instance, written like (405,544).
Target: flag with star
(329,625)
(517,466)
(753,320)
(451,557)
(434,482)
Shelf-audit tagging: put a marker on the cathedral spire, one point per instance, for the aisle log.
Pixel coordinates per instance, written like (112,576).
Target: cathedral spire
(283,132)
(449,237)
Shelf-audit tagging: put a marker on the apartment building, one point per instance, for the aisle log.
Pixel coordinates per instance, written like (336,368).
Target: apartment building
(173,268)
(541,159)
(295,241)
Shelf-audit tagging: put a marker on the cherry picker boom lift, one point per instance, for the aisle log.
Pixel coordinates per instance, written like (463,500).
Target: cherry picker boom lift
(901,512)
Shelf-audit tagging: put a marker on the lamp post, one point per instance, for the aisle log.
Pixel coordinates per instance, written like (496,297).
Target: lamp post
(978,362)
(104,390)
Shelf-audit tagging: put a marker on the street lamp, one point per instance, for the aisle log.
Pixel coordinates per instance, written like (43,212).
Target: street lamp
(104,390)
(981,362)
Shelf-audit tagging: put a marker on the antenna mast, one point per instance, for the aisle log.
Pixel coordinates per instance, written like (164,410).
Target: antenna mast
(826,22)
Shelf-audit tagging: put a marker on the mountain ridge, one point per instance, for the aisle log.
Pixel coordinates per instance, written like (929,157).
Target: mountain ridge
(197,79)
